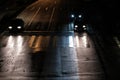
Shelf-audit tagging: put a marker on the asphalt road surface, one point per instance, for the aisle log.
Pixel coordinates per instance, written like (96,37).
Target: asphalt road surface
(45,51)
(57,57)
(41,15)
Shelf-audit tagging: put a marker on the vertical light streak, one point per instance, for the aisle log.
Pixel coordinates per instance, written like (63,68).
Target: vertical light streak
(84,39)
(38,42)
(31,41)
(10,42)
(19,43)
(71,26)
(71,44)
(77,41)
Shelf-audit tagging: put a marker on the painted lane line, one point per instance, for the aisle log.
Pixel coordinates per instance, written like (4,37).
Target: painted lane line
(117,41)
(51,18)
(34,16)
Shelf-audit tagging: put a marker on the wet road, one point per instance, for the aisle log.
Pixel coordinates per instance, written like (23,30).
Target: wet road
(41,15)
(57,57)
(45,51)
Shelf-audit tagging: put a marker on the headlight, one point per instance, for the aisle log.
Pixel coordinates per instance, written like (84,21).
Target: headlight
(19,27)
(10,27)
(84,26)
(80,16)
(76,26)
(72,15)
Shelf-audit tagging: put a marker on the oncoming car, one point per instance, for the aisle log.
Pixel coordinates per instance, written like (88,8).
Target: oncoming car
(75,16)
(16,26)
(79,26)
(79,21)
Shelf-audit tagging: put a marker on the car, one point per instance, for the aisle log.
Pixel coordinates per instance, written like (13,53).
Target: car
(16,25)
(79,26)
(75,16)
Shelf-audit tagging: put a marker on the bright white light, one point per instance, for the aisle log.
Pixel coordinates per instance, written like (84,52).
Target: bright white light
(76,26)
(19,27)
(80,16)
(19,41)
(72,15)
(84,26)
(10,27)
(71,44)
(10,42)
(77,41)
(84,39)
(19,44)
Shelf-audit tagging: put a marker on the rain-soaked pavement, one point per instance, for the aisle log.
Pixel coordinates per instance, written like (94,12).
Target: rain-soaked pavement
(49,57)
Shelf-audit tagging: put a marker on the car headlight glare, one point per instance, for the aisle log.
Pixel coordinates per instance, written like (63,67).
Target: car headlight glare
(76,26)
(80,16)
(84,26)
(10,27)
(72,15)
(19,27)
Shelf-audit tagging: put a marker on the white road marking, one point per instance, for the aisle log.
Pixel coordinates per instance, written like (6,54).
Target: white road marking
(34,16)
(117,41)
(51,17)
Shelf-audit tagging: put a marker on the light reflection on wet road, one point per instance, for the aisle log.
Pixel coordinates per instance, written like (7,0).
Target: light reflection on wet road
(47,55)
(57,53)
(34,54)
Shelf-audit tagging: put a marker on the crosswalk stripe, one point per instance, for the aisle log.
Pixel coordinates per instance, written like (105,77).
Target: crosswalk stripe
(31,40)
(38,42)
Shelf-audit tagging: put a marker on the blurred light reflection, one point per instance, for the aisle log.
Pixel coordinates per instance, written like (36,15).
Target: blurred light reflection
(13,60)
(71,44)
(19,43)
(84,39)
(10,42)
(71,25)
(77,41)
